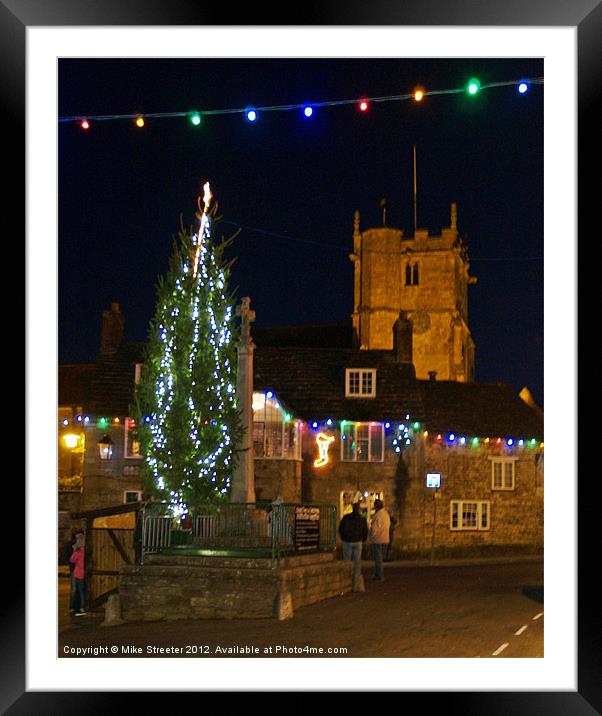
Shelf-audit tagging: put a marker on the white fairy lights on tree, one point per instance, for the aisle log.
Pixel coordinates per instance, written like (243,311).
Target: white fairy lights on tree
(186,416)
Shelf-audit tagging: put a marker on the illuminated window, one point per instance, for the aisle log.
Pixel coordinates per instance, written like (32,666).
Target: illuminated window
(362,442)
(469,515)
(360,382)
(502,473)
(366,500)
(131,445)
(275,433)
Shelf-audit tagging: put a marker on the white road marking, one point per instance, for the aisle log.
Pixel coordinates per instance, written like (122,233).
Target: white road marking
(537,616)
(500,649)
(520,631)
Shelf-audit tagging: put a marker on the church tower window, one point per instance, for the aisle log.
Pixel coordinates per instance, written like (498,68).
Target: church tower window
(415,275)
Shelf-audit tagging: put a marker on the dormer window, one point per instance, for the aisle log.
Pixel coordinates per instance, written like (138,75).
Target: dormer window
(360,382)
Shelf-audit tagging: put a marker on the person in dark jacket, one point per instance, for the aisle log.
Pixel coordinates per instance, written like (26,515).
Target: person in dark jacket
(353,530)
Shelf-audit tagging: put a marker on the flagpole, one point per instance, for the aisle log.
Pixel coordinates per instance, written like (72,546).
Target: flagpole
(415,223)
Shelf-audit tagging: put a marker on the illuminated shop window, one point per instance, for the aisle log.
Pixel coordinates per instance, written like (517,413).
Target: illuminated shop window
(276,434)
(366,500)
(362,442)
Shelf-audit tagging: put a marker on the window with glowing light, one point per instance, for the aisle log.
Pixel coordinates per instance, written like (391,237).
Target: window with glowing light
(362,442)
(366,500)
(360,382)
(469,515)
(131,445)
(276,434)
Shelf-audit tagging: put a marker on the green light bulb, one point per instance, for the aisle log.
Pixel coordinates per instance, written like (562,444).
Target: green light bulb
(473,86)
(195,119)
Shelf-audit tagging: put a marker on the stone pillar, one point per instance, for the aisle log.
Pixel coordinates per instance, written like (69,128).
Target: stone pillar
(243,480)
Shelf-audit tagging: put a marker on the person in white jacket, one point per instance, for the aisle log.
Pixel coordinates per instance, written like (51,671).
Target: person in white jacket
(379,538)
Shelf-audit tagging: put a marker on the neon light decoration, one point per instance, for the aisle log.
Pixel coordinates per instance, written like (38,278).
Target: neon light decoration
(323,441)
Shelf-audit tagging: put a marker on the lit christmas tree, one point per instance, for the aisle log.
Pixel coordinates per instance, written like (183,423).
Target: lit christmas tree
(185,407)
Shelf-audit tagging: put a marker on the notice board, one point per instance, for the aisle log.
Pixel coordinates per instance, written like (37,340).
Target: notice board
(307,528)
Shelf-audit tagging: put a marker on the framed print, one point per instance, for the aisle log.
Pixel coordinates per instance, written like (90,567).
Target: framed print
(321,143)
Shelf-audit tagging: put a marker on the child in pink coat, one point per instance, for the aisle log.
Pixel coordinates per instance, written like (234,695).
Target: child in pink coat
(78,560)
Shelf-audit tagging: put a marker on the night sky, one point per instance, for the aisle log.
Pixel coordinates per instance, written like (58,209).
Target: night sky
(293,184)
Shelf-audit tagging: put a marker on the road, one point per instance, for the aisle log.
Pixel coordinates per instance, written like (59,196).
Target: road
(474,611)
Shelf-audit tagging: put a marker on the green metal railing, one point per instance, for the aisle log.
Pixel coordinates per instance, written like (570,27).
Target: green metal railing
(256,529)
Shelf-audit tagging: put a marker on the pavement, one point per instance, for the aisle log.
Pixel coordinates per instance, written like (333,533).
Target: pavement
(457,608)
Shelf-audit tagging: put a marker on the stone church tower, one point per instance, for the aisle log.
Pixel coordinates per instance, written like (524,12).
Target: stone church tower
(427,278)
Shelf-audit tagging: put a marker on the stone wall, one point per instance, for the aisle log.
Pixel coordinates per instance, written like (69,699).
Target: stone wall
(275,478)
(516,516)
(106,481)
(181,587)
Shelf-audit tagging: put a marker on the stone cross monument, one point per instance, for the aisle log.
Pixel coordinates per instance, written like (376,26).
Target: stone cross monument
(243,481)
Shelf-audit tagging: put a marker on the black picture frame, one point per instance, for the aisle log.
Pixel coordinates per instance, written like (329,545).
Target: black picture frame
(585,15)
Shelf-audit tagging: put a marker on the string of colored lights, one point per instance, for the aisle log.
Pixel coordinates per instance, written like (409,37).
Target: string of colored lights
(472,88)
(401,436)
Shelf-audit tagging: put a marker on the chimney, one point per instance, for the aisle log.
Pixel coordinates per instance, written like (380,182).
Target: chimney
(402,339)
(432,375)
(111,333)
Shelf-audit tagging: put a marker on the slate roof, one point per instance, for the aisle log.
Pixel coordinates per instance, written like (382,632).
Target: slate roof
(316,336)
(310,381)
(107,387)
(75,384)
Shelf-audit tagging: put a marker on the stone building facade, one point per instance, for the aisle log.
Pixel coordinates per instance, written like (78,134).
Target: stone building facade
(94,402)
(425,276)
(483,442)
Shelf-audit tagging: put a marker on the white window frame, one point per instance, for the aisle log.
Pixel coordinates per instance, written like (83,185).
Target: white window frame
(382,443)
(298,429)
(479,526)
(503,461)
(362,372)
(127,492)
(126,441)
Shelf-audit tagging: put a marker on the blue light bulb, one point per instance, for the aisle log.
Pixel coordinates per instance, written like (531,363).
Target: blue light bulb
(251,115)
(308,111)
(523,87)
